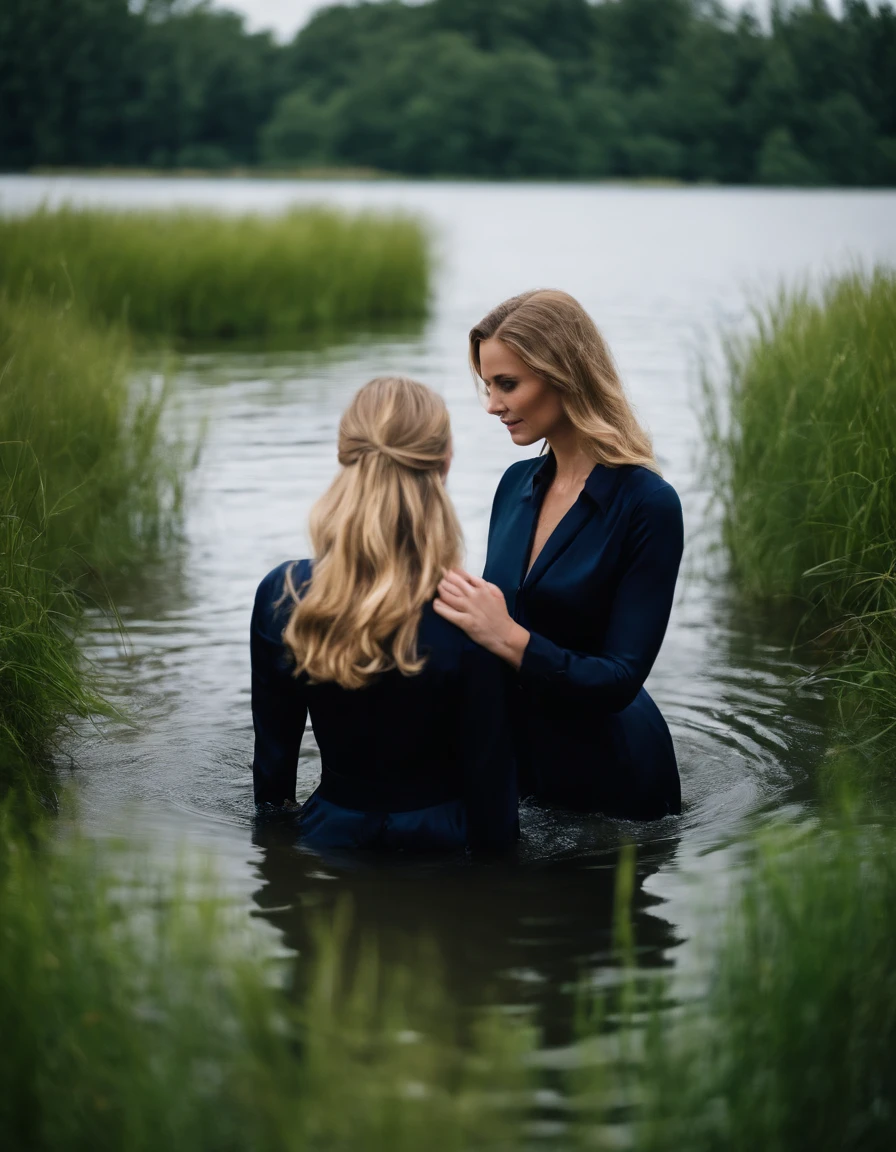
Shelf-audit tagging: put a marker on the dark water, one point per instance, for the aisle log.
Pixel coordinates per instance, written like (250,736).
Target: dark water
(660,270)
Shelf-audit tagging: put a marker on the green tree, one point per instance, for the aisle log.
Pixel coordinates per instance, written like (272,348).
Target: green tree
(643,36)
(681,88)
(66,81)
(561,29)
(600,129)
(298,133)
(842,143)
(781,162)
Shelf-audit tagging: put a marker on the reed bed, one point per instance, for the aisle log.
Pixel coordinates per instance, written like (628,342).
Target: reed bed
(795,1045)
(803,455)
(201,275)
(84,456)
(41,679)
(90,486)
(139,1013)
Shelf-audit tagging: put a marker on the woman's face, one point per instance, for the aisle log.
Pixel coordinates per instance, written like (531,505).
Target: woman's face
(528,407)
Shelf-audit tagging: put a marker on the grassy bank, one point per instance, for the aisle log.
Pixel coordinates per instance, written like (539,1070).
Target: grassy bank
(89,486)
(137,1014)
(196,274)
(805,465)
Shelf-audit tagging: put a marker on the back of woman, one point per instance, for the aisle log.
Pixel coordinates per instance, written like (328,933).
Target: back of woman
(408,713)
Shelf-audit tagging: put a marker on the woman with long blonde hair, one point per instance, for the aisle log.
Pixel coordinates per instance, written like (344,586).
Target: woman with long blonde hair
(408,713)
(584,548)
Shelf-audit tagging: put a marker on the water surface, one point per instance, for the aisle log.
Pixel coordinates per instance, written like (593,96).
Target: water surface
(661,270)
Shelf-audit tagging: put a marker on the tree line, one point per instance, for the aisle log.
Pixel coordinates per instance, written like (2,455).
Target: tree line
(667,89)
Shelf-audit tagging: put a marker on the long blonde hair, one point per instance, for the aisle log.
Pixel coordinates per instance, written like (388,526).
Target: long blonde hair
(382,535)
(556,339)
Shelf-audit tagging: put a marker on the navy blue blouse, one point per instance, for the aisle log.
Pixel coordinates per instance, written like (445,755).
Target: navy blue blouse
(408,760)
(596,602)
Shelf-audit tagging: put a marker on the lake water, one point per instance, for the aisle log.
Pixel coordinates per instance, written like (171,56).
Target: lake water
(661,270)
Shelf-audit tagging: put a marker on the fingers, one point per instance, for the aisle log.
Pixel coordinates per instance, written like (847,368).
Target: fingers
(449,613)
(454,588)
(456,603)
(465,577)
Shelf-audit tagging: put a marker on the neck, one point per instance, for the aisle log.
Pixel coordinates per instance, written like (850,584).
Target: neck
(574,465)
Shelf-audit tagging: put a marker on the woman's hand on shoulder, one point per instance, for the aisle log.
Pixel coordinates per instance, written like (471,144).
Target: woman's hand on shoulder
(480,610)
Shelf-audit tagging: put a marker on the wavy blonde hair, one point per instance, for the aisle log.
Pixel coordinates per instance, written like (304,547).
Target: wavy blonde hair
(556,339)
(382,535)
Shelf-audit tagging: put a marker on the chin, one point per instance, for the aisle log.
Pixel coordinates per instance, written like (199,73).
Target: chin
(524,439)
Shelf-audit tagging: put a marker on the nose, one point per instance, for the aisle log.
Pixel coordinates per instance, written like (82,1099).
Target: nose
(494,404)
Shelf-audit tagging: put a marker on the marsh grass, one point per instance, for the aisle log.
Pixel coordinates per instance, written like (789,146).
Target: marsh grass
(41,680)
(83,456)
(201,275)
(139,1014)
(802,451)
(90,486)
(794,1046)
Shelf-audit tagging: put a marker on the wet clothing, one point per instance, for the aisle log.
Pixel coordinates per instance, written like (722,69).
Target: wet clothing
(421,761)
(596,602)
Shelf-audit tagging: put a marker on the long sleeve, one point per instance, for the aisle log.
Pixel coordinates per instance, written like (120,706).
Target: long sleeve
(279,708)
(490,783)
(638,617)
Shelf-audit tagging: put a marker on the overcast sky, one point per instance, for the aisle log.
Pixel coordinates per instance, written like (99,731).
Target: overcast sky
(285,17)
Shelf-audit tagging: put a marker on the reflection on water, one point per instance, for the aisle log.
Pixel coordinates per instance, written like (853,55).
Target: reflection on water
(659,269)
(523,933)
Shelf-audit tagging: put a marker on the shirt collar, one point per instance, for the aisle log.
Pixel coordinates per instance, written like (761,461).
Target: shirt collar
(599,486)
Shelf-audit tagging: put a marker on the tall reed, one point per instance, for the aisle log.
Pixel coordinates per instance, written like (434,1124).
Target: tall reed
(803,455)
(795,1045)
(199,274)
(90,485)
(83,454)
(137,1014)
(41,679)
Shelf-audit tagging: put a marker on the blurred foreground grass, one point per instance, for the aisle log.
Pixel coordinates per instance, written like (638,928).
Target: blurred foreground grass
(803,456)
(194,274)
(138,1013)
(795,1045)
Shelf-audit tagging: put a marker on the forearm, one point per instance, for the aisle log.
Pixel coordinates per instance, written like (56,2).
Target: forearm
(509,644)
(610,682)
(278,717)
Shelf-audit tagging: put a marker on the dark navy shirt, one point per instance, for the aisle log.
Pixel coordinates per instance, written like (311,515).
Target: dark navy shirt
(596,602)
(400,744)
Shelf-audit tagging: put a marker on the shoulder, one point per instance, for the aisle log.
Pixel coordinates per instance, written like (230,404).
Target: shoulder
(273,585)
(518,478)
(437,634)
(273,602)
(654,510)
(450,644)
(648,490)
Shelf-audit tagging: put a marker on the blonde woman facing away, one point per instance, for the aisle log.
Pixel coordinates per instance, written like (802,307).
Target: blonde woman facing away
(583,554)
(408,713)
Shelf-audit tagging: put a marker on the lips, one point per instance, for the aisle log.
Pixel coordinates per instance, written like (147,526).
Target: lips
(511,424)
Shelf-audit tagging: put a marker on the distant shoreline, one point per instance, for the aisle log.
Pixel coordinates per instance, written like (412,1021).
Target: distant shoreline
(338,175)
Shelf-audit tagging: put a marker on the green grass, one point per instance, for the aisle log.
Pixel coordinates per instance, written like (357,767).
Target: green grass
(90,486)
(201,275)
(795,1045)
(140,1013)
(803,456)
(41,679)
(83,456)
